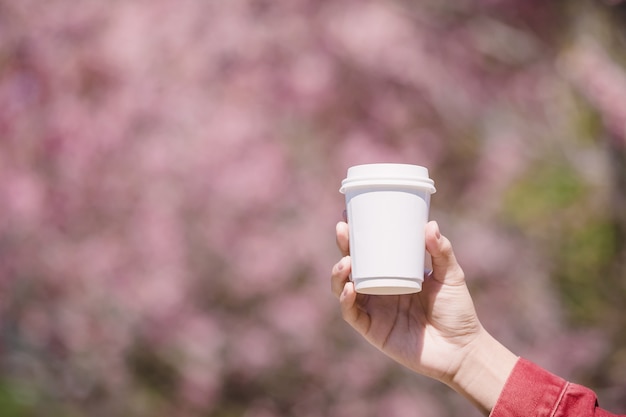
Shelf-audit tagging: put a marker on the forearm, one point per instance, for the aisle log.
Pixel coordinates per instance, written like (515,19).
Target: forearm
(483,372)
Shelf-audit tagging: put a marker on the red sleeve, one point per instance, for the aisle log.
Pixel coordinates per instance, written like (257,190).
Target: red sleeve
(534,392)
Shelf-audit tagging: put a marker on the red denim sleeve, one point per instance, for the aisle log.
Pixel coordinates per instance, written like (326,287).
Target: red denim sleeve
(532,391)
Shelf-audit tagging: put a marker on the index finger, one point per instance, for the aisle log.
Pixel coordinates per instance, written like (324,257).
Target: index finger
(343,240)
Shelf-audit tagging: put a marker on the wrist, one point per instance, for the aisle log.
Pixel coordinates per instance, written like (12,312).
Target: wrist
(482,374)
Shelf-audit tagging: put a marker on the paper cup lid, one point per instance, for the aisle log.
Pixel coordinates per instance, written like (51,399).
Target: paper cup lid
(405,175)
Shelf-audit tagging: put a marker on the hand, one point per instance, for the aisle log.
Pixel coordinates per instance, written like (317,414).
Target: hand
(427,332)
(435,332)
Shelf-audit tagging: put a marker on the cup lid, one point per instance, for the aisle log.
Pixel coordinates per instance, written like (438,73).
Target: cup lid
(406,175)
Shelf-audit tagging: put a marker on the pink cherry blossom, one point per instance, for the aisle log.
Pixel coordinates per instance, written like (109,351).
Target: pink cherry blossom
(169,176)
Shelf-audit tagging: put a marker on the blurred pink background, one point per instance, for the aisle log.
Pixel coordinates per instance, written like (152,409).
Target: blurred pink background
(169,176)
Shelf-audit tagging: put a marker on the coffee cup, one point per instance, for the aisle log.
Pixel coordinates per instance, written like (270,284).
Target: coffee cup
(387,208)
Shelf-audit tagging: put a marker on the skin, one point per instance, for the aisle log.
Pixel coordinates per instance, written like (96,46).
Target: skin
(435,332)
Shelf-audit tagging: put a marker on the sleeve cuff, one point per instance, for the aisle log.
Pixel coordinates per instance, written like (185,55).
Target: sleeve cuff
(529,391)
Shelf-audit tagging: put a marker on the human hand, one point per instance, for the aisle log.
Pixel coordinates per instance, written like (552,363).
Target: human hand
(435,332)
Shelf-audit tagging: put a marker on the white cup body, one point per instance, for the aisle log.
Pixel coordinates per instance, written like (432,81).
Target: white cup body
(387,208)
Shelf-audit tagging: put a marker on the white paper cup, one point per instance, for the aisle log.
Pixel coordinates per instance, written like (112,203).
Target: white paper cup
(387,207)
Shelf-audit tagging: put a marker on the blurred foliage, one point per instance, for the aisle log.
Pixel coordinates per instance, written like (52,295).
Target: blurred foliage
(583,271)
(553,200)
(10,403)
(544,197)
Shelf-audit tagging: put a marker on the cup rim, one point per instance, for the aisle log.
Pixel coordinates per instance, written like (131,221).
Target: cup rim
(388,174)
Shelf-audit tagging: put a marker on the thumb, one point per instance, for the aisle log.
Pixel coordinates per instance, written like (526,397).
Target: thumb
(446,269)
